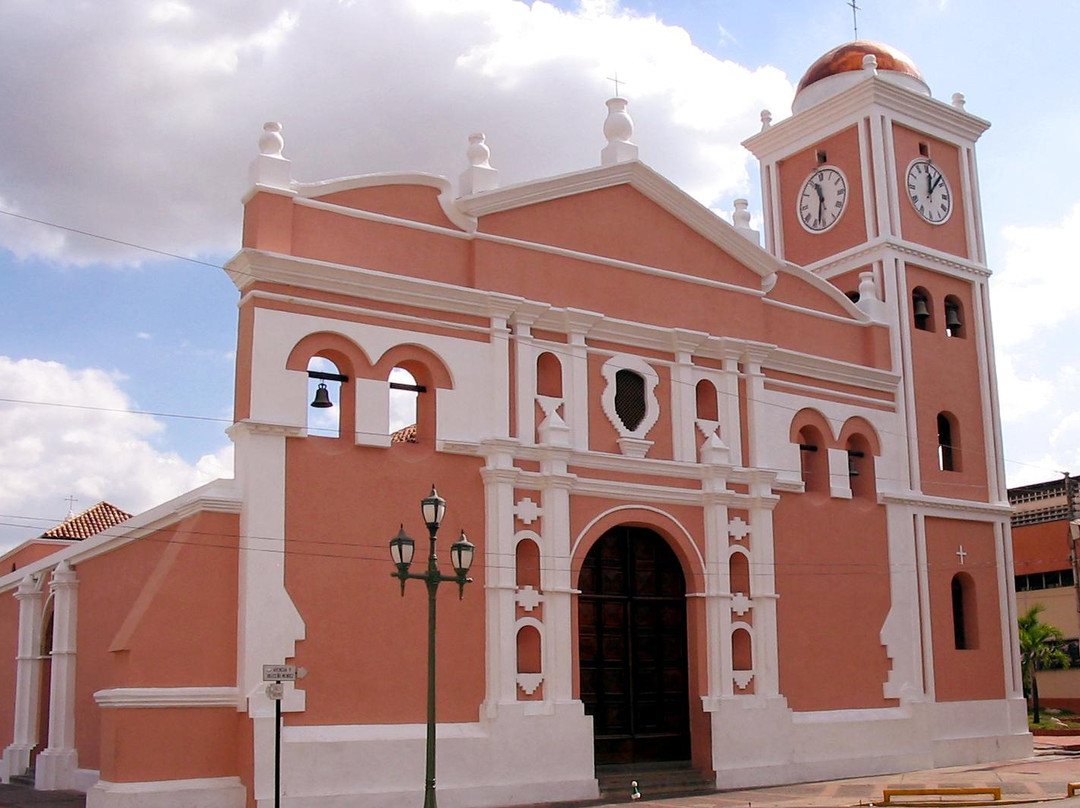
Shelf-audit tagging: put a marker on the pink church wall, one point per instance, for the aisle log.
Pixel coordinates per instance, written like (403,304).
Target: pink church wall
(946,378)
(157,612)
(832,575)
(973,673)
(420,203)
(29,553)
(337,571)
(9,648)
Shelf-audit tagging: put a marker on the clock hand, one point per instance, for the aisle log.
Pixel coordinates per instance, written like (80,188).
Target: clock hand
(937,181)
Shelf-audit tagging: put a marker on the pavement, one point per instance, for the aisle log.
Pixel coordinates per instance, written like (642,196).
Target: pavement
(1041,778)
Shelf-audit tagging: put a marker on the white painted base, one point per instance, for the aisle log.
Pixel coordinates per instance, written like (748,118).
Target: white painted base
(510,760)
(760,742)
(55,769)
(212,792)
(15,761)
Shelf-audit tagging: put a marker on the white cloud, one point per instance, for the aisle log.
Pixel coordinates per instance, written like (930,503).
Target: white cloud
(1039,273)
(1033,297)
(138,121)
(93,447)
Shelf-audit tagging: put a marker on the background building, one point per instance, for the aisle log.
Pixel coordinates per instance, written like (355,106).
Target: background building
(1045,575)
(737,507)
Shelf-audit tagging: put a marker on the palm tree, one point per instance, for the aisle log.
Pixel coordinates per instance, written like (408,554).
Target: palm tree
(1040,648)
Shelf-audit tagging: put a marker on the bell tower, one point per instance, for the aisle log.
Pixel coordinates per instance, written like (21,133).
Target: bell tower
(871,174)
(871,184)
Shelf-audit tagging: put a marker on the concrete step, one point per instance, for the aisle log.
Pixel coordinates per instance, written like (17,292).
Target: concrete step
(655,780)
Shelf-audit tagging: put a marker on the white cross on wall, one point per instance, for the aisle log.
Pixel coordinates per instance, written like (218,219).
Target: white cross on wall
(961,554)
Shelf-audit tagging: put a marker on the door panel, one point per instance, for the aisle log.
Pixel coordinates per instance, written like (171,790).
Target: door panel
(632,648)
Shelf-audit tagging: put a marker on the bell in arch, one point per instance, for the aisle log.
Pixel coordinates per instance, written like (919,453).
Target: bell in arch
(921,311)
(322,397)
(952,318)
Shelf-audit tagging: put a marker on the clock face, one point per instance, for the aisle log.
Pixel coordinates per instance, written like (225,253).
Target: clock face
(929,191)
(822,199)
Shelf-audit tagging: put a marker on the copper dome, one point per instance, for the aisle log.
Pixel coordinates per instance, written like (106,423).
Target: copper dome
(850,57)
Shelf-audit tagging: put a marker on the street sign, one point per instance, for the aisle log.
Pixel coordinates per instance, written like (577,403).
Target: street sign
(275,691)
(279,673)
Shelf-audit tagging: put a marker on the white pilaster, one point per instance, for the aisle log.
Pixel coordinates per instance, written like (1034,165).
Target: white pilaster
(577,395)
(556,581)
(763,592)
(839,480)
(27,678)
(524,380)
(683,408)
(269,624)
(499,580)
(55,767)
(717,596)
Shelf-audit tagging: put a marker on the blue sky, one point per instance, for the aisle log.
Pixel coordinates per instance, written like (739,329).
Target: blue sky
(136,121)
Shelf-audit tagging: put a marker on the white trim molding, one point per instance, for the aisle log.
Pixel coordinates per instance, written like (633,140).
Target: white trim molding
(154,697)
(206,792)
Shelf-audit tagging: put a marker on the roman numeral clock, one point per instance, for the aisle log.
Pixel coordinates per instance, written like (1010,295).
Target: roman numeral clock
(822,199)
(929,191)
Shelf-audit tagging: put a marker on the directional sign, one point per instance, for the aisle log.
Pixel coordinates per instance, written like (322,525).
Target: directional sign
(279,673)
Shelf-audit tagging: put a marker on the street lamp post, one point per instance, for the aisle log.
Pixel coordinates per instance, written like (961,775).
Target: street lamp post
(402,549)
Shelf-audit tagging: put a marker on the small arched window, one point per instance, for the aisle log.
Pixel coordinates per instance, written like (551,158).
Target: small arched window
(630,401)
(954,317)
(964,613)
(948,442)
(739,567)
(706,401)
(527,564)
(528,650)
(742,655)
(813,460)
(548,375)
(922,309)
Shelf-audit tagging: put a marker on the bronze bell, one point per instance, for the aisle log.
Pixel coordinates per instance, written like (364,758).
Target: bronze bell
(852,466)
(952,318)
(921,311)
(322,397)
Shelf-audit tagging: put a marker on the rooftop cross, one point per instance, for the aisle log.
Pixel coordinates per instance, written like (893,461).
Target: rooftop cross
(617,82)
(71,500)
(854,16)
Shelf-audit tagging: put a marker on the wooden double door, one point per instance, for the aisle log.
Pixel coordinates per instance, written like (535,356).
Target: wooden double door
(632,648)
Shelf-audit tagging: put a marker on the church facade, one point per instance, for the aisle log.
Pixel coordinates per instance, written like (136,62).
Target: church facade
(735,505)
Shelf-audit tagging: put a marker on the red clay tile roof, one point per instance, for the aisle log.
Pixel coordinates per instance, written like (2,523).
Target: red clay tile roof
(405,435)
(88,523)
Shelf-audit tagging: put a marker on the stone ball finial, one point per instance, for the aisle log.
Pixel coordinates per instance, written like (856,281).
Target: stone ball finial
(766,119)
(958,100)
(270,141)
(478,151)
(869,63)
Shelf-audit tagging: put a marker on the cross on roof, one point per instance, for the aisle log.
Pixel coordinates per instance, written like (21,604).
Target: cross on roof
(854,16)
(71,500)
(617,82)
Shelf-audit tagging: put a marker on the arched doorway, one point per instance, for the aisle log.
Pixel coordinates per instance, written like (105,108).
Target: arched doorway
(632,648)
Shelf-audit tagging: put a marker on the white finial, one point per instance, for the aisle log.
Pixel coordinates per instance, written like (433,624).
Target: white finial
(271,142)
(869,64)
(766,119)
(958,100)
(71,500)
(618,129)
(270,169)
(741,220)
(870,302)
(479,176)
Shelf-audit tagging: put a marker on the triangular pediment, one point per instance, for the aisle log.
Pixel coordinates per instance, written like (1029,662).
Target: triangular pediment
(577,203)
